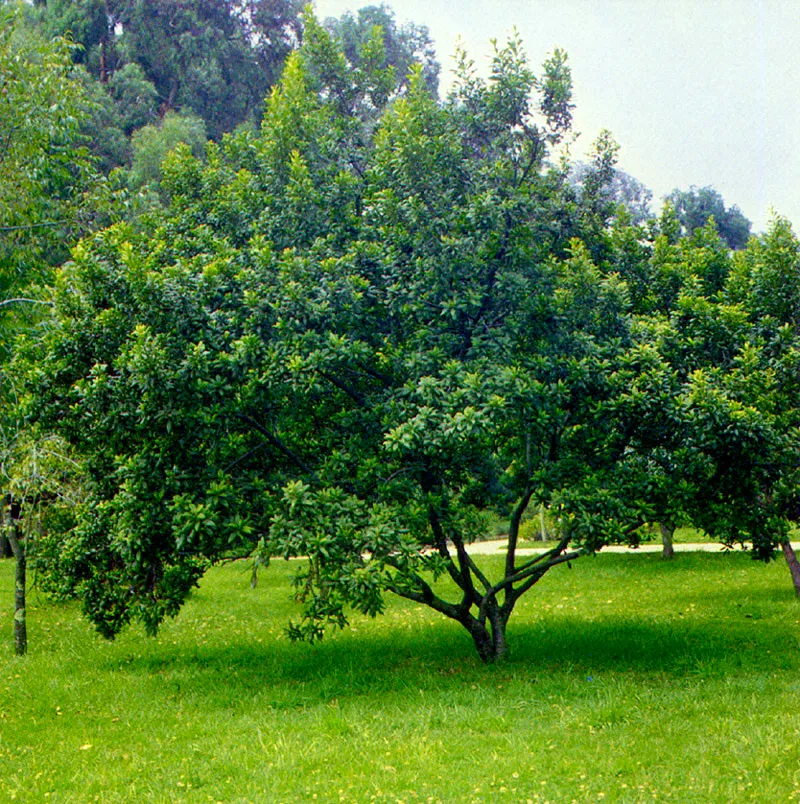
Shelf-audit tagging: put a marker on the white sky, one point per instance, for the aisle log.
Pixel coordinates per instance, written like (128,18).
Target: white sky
(695,91)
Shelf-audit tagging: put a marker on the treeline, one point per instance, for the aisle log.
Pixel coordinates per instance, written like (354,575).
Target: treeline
(355,327)
(206,67)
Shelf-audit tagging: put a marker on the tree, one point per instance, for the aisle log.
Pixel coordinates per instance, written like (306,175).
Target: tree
(43,179)
(345,340)
(40,481)
(718,449)
(42,172)
(765,281)
(88,23)
(695,206)
(403,45)
(215,59)
(621,189)
(151,144)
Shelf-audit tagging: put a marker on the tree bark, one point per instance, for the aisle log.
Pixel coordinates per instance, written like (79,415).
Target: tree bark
(5,546)
(490,640)
(794,566)
(499,645)
(20,586)
(667,532)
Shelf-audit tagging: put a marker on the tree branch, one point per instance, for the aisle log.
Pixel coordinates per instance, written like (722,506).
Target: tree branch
(513,530)
(441,545)
(351,392)
(276,442)
(466,564)
(521,574)
(425,596)
(28,226)
(553,551)
(375,374)
(246,455)
(24,301)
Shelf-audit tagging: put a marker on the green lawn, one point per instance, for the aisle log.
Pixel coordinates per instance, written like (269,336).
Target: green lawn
(631,679)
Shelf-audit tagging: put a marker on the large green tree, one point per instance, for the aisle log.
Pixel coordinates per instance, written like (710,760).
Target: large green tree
(346,340)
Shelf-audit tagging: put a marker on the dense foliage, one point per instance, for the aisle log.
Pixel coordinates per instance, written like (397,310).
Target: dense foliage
(359,328)
(214,59)
(148,63)
(43,174)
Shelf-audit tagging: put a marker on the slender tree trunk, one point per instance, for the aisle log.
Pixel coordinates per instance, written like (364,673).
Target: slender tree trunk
(5,546)
(543,535)
(499,644)
(667,532)
(794,566)
(20,586)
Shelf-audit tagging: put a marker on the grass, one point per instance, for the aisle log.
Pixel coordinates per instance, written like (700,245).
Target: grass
(631,679)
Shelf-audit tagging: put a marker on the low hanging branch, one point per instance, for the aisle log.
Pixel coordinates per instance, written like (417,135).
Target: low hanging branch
(23,300)
(24,227)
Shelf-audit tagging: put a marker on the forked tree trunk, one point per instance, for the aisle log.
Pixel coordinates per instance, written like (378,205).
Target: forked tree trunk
(667,532)
(489,638)
(794,566)
(480,611)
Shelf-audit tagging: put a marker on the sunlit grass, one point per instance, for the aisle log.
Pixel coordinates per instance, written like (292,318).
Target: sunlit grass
(630,679)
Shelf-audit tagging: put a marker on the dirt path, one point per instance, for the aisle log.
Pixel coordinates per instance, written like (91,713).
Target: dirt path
(498,546)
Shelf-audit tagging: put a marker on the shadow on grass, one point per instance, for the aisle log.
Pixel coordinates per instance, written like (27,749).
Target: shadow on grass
(287,676)
(702,615)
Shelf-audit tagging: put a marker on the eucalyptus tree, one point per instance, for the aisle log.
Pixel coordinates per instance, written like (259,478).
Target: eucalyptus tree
(403,44)
(696,205)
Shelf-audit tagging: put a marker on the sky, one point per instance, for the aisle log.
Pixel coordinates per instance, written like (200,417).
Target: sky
(696,92)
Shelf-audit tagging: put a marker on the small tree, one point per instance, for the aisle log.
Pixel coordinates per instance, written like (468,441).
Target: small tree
(43,182)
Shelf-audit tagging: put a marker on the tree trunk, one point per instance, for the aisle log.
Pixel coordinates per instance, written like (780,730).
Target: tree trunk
(794,566)
(490,640)
(20,586)
(499,644)
(5,546)
(667,532)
